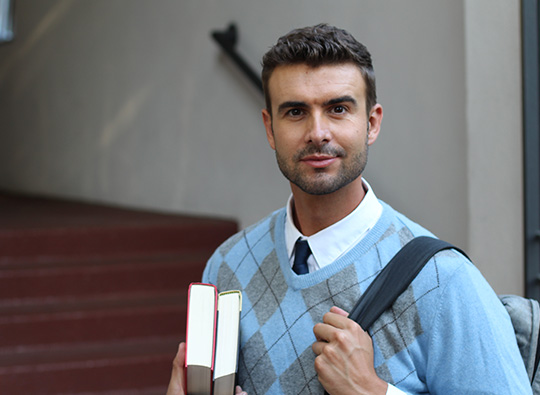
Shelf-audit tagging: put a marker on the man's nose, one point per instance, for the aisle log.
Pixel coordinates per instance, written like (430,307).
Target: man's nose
(319,130)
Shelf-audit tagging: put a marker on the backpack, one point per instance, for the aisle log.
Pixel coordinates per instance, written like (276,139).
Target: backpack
(525,316)
(397,275)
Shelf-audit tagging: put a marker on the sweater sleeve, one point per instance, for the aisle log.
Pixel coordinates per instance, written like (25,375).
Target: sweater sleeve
(473,348)
(210,270)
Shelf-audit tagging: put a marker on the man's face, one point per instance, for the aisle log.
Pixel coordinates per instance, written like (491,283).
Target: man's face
(319,126)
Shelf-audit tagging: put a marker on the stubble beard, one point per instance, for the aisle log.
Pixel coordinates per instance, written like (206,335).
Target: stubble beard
(322,183)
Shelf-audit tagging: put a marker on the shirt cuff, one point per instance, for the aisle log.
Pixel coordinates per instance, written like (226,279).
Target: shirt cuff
(393,390)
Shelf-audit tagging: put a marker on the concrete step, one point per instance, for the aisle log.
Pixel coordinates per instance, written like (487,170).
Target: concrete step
(43,229)
(21,281)
(129,367)
(87,321)
(93,298)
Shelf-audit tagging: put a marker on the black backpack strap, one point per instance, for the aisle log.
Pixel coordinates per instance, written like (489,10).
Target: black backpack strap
(395,277)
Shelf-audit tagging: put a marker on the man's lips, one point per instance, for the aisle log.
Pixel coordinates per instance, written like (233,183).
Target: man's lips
(318,161)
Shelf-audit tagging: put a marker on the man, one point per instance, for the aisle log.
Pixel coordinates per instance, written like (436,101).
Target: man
(447,333)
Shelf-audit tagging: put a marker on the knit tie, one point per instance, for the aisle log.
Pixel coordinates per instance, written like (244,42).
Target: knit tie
(300,257)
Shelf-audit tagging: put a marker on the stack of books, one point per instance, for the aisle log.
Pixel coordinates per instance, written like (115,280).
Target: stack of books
(212,340)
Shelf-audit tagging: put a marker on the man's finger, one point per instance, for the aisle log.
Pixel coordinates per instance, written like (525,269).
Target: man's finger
(339,311)
(324,332)
(176,385)
(318,347)
(336,319)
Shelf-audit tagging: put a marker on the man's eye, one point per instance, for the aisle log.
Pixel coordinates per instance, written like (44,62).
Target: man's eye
(339,109)
(295,112)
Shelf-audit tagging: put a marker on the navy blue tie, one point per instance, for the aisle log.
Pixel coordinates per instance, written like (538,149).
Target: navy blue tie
(302,252)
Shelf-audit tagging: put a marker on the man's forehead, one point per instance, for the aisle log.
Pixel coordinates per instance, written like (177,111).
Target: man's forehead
(298,69)
(301,82)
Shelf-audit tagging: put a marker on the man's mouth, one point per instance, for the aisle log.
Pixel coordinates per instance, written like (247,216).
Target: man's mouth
(319,161)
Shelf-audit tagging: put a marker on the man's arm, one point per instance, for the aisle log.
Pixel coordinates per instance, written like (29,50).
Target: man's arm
(344,361)
(472,344)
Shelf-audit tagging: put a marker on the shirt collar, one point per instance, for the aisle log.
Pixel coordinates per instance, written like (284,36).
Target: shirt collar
(330,243)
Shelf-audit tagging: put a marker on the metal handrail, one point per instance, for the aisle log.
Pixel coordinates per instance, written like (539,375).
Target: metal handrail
(227,40)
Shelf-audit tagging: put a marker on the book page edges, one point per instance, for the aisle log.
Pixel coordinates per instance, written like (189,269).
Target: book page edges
(232,292)
(224,385)
(228,336)
(199,379)
(213,344)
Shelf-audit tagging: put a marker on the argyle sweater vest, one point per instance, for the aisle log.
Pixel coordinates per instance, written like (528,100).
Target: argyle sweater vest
(447,333)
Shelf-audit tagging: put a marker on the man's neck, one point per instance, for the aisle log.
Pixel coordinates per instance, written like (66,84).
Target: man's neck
(313,213)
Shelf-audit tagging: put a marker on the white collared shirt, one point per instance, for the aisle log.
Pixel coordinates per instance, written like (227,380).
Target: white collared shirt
(332,242)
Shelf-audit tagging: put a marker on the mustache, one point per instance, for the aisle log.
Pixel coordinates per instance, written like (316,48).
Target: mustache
(322,150)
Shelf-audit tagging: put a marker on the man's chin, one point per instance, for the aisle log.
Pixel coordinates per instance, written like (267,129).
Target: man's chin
(319,188)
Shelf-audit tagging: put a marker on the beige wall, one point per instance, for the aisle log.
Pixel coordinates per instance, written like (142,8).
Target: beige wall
(130,102)
(494,141)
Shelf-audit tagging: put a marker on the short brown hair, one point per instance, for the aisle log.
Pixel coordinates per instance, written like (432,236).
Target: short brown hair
(317,46)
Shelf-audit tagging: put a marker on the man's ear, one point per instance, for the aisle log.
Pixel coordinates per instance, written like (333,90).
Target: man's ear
(267,120)
(375,120)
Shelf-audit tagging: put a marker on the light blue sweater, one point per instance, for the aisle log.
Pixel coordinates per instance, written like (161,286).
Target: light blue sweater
(447,333)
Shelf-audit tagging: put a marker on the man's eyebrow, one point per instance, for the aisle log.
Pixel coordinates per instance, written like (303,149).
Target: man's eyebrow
(291,104)
(342,99)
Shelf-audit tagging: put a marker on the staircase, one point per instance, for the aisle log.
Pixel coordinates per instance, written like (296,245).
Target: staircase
(93,298)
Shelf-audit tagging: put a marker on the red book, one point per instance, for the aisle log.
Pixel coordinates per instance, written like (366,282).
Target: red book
(200,338)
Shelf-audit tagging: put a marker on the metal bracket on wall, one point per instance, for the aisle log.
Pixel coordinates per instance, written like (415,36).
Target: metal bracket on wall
(227,40)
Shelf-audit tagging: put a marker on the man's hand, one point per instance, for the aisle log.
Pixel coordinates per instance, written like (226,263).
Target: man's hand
(178,382)
(344,361)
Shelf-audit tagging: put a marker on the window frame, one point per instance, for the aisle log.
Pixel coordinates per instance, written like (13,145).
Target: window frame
(531,144)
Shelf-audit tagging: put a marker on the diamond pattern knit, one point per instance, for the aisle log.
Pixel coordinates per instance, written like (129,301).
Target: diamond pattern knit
(280,308)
